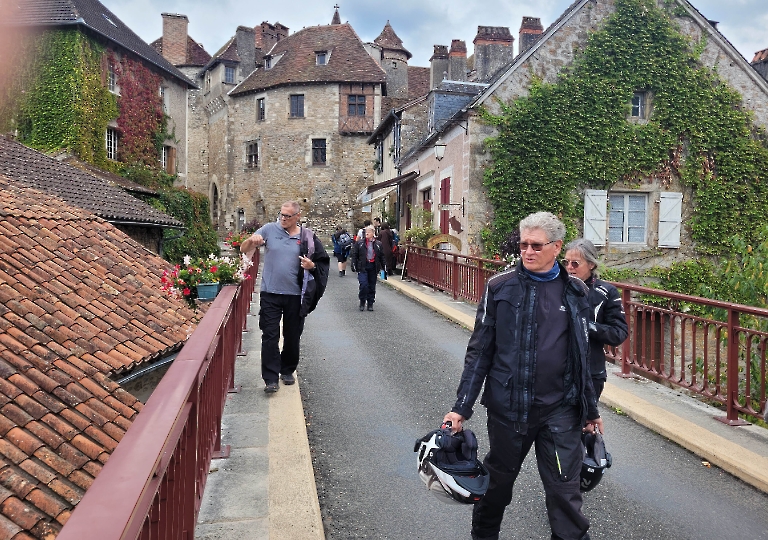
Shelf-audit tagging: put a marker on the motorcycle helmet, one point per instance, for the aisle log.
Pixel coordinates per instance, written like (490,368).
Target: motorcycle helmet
(448,465)
(596,460)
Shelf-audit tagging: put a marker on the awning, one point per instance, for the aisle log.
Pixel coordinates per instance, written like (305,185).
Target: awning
(372,200)
(393,181)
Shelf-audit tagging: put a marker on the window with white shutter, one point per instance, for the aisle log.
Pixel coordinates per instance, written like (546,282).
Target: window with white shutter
(595,215)
(670,219)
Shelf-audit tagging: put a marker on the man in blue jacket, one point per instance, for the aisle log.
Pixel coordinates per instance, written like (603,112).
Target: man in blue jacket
(531,350)
(293,278)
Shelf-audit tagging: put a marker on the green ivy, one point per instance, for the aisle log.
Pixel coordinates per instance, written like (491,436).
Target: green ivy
(575,134)
(66,105)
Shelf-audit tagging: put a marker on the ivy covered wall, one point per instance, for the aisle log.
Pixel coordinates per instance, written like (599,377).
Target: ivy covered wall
(575,133)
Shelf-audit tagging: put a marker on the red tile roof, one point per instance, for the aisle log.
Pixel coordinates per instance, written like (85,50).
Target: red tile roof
(348,60)
(760,56)
(389,40)
(418,81)
(72,288)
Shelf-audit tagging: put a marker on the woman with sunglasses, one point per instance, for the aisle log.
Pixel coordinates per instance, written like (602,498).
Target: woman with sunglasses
(608,325)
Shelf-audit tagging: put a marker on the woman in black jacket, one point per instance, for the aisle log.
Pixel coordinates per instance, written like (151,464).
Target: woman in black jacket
(608,324)
(367,260)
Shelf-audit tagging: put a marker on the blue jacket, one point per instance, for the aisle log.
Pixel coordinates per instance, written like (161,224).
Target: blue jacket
(502,350)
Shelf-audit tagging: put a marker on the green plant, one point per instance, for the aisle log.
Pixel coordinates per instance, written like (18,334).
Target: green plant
(575,133)
(422,229)
(182,280)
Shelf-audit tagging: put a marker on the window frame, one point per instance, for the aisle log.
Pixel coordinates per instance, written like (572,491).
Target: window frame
(354,103)
(112,84)
(261,109)
(229,75)
(296,111)
(252,155)
(319,152)
(625,227)
(641,106)
(111,140)
(321,54)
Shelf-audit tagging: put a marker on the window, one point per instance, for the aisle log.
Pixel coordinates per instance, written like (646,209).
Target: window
(262,112)
(426,199)
(627,218)
(356,105)
(267,62)
(321,58)
(112,80)
(638,105)
(380,156)
(164,97)
(168,159)
(111,141)
(318,151)
(208,80)
(229,75)
(297,106)
(252,155)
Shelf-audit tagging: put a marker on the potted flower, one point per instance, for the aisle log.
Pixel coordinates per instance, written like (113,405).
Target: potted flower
(202,278)
(235,239)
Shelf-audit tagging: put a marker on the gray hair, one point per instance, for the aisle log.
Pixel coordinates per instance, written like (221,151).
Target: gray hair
(587,250)
(547,222)
(371,228)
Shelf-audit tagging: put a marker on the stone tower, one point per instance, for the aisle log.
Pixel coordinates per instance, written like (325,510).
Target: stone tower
(394,61)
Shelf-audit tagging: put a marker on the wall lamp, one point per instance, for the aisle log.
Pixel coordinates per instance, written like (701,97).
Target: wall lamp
(440,149)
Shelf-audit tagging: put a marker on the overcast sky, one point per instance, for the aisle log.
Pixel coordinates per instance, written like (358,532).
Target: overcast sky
(419,23)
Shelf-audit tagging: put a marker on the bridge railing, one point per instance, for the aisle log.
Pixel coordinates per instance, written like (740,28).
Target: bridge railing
(723,360)
(152,485)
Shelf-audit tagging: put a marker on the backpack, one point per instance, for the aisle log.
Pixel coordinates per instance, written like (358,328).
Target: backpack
(344,241)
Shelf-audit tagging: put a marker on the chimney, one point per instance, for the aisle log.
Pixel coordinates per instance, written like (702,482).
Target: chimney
(457,60)
(530,31)
(245,42)
(438,65)
(266,35)
(493,49)
(175,38)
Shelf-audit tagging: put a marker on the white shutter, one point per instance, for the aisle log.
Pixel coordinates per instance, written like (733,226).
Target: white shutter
(670,218)
(595,216)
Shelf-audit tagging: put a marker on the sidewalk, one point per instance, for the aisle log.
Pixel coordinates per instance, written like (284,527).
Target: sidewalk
(266,488)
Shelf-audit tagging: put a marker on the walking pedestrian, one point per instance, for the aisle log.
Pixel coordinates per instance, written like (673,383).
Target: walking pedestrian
(293,279)
(367,260)
(607,322)
(529,347)
(387,239)
(342,245)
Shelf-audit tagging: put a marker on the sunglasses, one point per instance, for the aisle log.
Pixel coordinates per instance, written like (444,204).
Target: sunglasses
(536,246)
(568,263)
(287,216)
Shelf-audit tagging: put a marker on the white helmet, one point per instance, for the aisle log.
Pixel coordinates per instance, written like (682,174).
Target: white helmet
(448,464)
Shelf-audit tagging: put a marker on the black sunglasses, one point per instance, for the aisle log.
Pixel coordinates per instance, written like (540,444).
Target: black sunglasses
(568,263)
(535,246)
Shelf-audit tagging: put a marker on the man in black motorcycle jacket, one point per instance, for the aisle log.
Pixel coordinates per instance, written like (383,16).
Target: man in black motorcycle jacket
(530,349)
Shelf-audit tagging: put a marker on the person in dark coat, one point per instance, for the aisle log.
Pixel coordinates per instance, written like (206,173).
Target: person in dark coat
(607,322)
(340,248)
(293,279)
(387,239)
(529,351)
(367,260)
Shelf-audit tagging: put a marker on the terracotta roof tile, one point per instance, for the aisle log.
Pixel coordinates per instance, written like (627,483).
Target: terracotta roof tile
(49,401)
(5,425)
(17,480)
(4,493)
(30,406)
(45,382)
(388,39)
(23,440)
(348,60)
(75,418)
(45,434)
(93,468)
(114,431)
(6,370)
(91,414)
(46,529)
(102,438)
(8,389)
(102,409)
(94,388)
(54,461)
(87,446)
(72,455)
(81,479)
(39,470)
(67,490)
(47,501)
(21,513)
(60,426)
(16,414)
(10,451)
(8,529)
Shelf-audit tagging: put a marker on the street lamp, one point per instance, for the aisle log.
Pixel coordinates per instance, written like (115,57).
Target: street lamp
(440,149)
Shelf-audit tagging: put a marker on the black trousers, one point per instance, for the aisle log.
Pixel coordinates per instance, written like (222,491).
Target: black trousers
(367,280)
(274,307)
(556,434)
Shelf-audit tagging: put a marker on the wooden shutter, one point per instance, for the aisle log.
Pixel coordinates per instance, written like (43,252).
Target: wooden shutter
(445,198)
(670,219)
(595,216)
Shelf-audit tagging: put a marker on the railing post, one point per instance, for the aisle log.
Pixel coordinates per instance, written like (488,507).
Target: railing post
(626,347)
(455,276)
(732,372)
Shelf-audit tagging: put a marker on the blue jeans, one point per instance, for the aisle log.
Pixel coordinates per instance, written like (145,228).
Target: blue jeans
(367,280)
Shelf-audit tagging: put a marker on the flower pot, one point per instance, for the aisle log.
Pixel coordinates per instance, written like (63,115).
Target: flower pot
(207,291)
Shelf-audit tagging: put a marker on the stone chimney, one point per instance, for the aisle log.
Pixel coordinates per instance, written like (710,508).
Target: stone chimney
(266,35)
(175,38)
(493,49)
(530,31)
(457,61)
(760,63)
(438,66)
(245,42)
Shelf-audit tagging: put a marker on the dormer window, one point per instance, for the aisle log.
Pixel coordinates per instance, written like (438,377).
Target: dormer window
(229,75)
(267,62)
(639,105)
(321,58)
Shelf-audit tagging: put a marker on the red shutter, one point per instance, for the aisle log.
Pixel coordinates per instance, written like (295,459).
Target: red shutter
(445,198)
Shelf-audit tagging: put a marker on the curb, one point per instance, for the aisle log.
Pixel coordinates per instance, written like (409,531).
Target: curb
(456,316)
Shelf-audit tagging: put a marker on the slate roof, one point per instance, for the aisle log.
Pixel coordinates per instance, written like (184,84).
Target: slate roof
(348,60)
(78,300)
(388,39)
(92,15)
(196,54)
(34,169)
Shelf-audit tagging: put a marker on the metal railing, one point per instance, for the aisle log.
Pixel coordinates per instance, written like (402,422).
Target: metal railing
(461,275)
(152,485)
(722,360)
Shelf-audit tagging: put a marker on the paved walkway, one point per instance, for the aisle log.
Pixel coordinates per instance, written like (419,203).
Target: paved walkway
(266,488)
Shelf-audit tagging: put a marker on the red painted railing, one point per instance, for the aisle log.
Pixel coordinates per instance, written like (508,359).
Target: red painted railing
(461,275)
(721,360)
(152,485)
